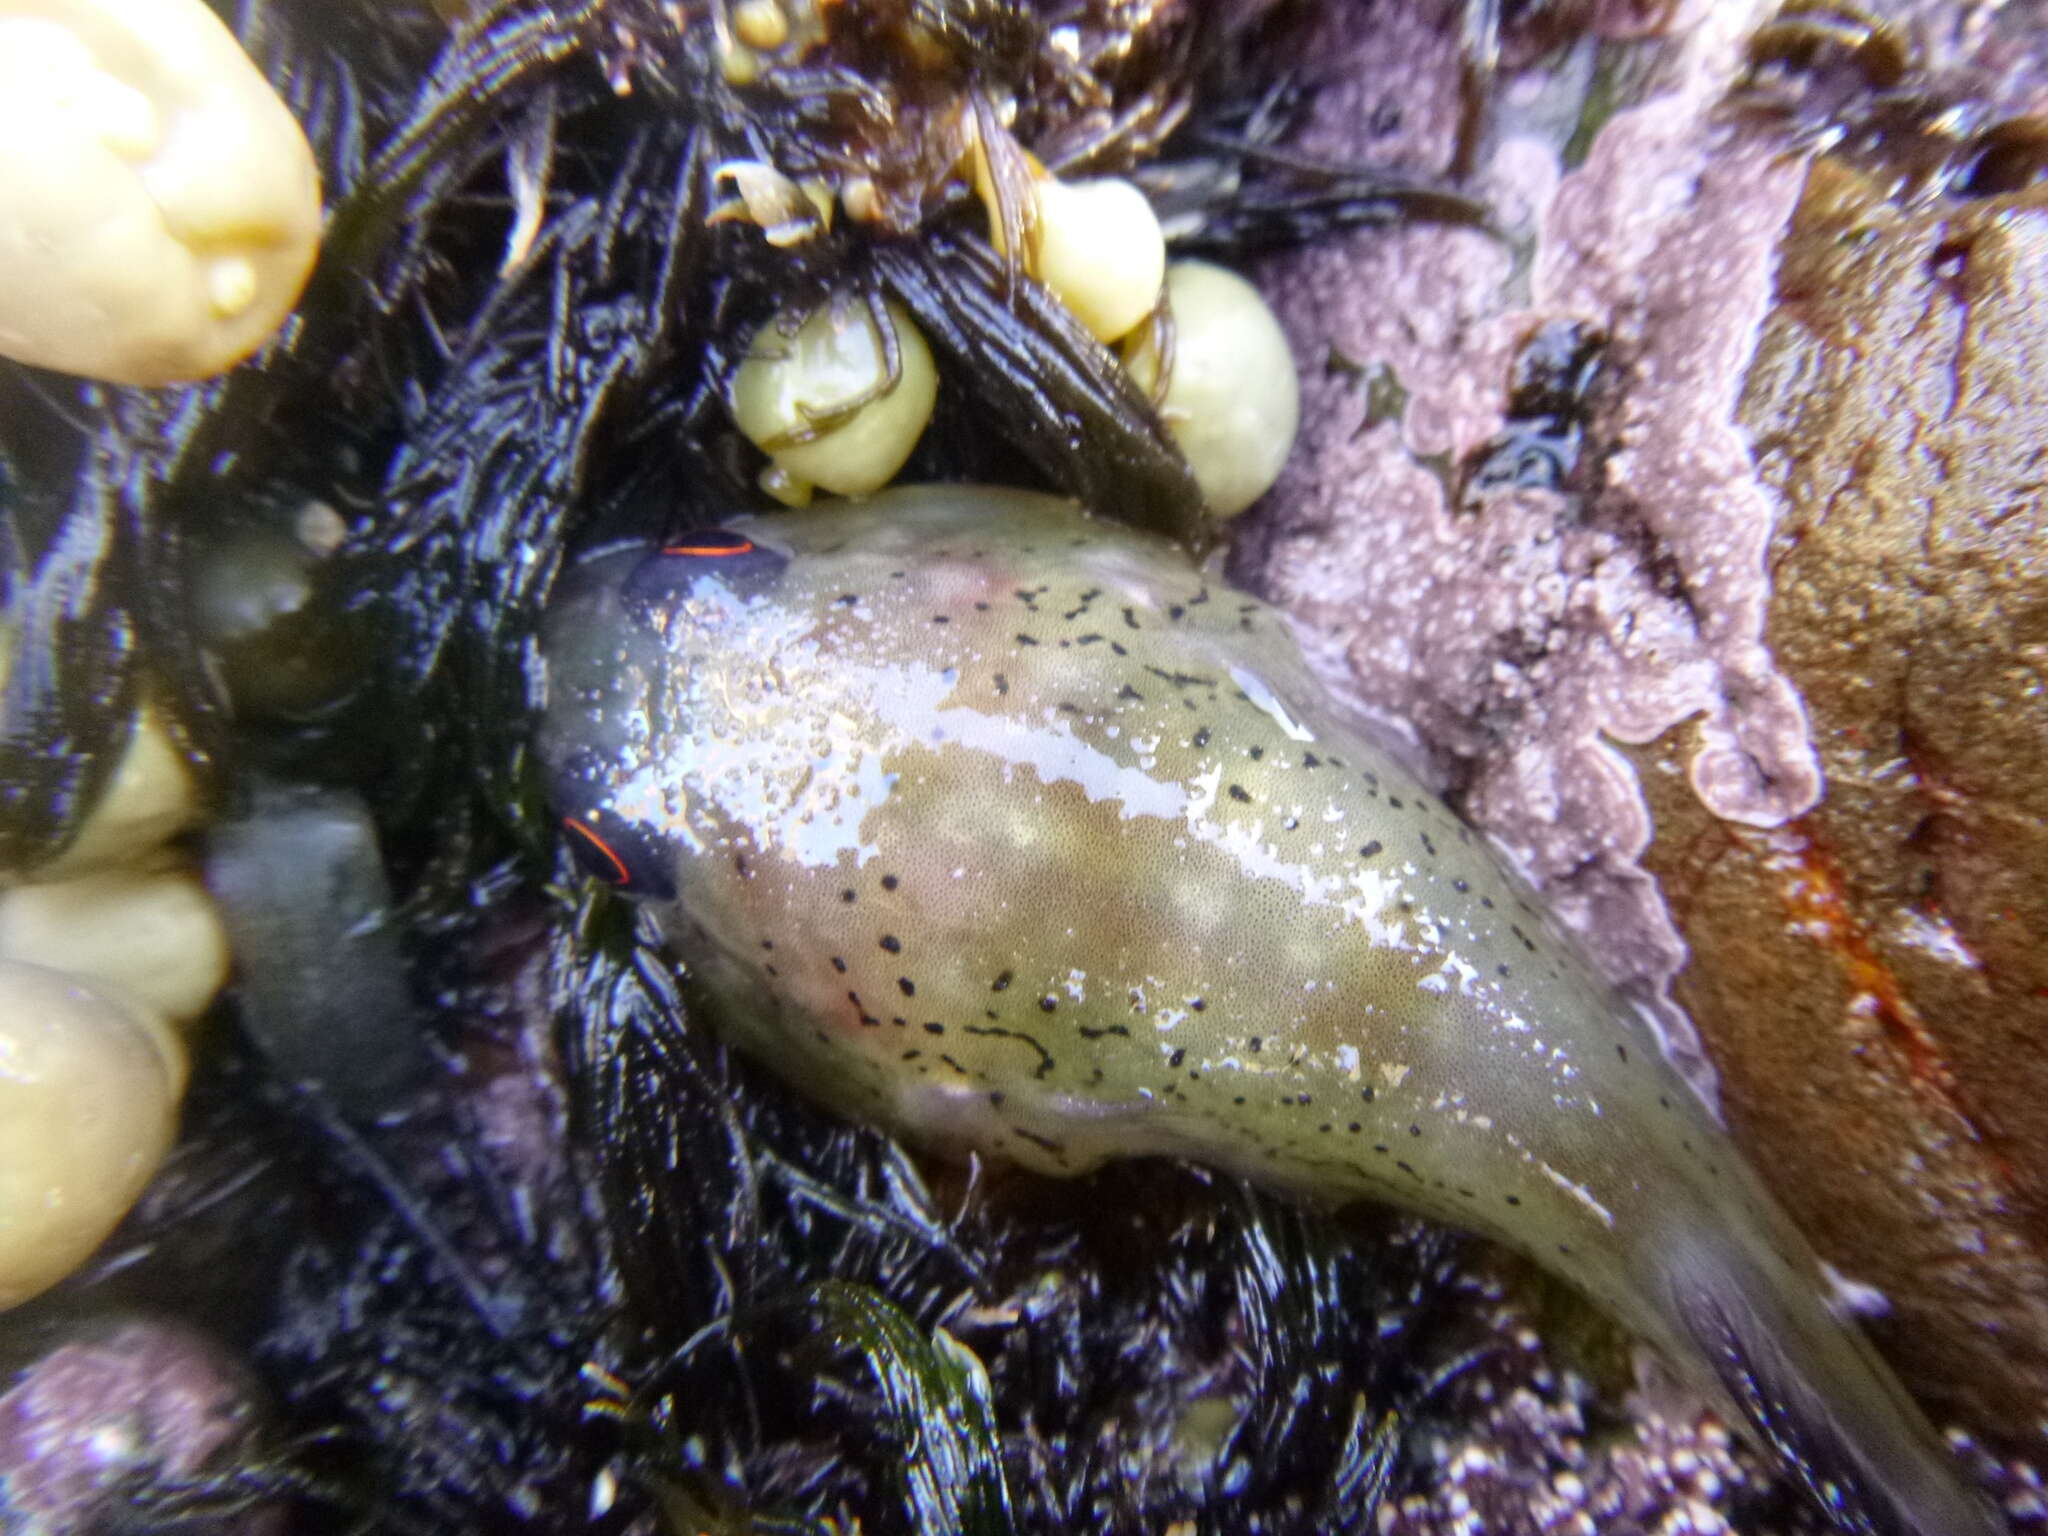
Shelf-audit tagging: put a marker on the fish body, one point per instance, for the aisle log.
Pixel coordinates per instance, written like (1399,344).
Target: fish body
(1009,830)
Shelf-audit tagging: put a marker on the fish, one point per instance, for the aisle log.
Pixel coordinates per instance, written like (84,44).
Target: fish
(1012,831)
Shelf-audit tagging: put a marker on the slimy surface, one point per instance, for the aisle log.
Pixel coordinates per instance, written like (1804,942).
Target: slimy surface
(1007,829)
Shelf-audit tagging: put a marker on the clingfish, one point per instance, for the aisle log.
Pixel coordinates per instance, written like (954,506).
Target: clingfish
(1010,831)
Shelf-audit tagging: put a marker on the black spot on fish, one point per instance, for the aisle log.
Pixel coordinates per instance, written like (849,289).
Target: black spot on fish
(1201,737)
(892,944)
(1179,1055)
(1131,619)
(935,1029)
(1237,793)
(1128,692)
(848,896)
(1002,982)
(1024,639)
(1428,846)
(839,965)
(1047,1003)
(890,882)
(1462,887)
(1371,850)
(906,986)
(1002,683)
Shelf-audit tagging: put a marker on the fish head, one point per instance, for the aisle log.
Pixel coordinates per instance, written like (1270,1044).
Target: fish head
(622,636)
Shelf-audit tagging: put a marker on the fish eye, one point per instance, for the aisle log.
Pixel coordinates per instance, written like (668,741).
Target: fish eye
(679,563)
(625,854)
(609,848)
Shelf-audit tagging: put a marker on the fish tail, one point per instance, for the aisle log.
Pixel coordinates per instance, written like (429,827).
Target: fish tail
(1815,1391)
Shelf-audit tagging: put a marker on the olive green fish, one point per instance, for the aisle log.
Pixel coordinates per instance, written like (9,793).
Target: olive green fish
(1009,830)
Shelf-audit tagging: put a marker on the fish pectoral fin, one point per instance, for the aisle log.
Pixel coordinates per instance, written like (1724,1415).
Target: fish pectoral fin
(1814,1390)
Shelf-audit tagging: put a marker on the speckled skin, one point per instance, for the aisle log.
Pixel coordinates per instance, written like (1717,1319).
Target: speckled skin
(1008,830)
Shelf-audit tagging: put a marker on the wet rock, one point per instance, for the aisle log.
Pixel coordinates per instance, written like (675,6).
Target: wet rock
(1520,631)
(1871,973)
(1773,593)
(116,1412)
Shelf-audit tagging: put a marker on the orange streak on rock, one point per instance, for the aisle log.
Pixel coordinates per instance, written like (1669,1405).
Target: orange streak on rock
(1818,905)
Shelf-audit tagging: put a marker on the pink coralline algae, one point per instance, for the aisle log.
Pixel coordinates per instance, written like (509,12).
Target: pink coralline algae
(1520,632)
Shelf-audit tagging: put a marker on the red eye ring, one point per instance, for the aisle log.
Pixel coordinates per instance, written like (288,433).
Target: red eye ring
(711,546)
(602,848)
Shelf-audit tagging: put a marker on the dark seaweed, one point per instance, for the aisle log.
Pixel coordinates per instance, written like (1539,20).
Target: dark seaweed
(1078,417)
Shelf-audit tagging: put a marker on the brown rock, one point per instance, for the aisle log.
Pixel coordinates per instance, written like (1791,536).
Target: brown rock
(1871,977)
(1803,546)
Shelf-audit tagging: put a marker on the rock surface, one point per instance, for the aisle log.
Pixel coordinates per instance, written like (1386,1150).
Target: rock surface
(1751,672)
